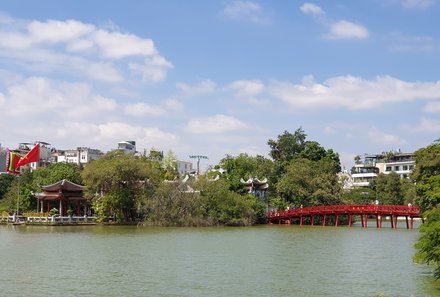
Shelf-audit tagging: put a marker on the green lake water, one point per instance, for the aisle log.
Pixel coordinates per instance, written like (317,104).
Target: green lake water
(254,261)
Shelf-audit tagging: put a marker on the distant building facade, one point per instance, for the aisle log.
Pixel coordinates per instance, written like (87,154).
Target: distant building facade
(128,147)
(79,156)
(364,171)
(184,167)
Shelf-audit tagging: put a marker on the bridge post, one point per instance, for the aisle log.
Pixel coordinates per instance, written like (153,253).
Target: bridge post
(380,221)
(407,223)
(349,219)
(366,221)
(313,220)
(336,220)
(395,222)
(323,220)
(392,221)
(411,225)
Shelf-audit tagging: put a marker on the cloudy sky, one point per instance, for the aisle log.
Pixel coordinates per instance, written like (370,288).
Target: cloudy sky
(220,77)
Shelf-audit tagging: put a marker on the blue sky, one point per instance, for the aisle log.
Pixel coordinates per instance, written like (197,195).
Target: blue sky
(220,77)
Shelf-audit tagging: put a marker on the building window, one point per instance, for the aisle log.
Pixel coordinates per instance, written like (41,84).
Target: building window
(405,167)
(388,168)
(83,157)
(396,168)
(411,167)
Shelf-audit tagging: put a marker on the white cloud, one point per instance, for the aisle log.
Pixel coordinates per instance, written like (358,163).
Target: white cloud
(118,45)
(417,4)
(383,138)
(245,10)
(55,45)
(353,92)
(53,31)
(174,105)
(204,87)
(153,69)
(108,134)
(247,88)
(39,97)
(143,109)
(346,30)
(310,8)
(432,107)
(425,126)
(215,124)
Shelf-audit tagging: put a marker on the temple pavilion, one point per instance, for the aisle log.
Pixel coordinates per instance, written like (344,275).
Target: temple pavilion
(256,187)
(63,195)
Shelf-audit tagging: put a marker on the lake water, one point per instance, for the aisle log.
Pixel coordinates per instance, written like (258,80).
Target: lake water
(254,261)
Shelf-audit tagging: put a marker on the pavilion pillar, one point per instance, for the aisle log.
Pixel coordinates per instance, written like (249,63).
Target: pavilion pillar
(78,208)
(60,210)
(407,223)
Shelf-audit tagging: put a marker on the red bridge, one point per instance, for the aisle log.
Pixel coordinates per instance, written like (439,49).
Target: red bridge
(363,211)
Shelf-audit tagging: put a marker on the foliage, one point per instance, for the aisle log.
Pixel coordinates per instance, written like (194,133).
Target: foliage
(427,176)
(224,207)
(118,184)
(169,164)
(359,196)
(309,183)
(244,166)
(389,189)
(54,173)
(287,146)
(5,183)
(428,246)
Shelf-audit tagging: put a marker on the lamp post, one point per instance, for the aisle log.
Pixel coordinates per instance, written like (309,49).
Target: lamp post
(198,157)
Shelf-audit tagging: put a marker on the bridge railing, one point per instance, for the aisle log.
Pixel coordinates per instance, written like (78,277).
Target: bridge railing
(401,210)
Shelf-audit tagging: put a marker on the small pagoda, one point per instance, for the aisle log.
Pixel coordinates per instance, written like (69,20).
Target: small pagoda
(256,187)
(63,195)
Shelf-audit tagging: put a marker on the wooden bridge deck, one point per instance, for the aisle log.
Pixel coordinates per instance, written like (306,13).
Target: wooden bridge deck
(363,211)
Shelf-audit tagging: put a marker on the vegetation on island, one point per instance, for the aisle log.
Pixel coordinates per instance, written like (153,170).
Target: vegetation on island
(148,189)
(427,179)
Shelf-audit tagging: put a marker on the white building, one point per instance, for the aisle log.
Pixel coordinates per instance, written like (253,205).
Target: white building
(184,167)
(395,161)
(80,156)
(129,147)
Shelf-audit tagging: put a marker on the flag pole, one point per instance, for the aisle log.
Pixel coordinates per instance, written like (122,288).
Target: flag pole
(18,199)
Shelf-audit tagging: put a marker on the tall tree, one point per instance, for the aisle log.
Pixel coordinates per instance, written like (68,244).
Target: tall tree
(287,146)
(389,189)
(427,175)
(118,183)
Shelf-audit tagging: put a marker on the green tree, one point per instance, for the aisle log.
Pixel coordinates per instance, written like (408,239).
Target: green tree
(427,176)
(309,183)
(287,146)
(428,246)
(244,166)
(389,189)
(359,196)
(119,183)
(6,181)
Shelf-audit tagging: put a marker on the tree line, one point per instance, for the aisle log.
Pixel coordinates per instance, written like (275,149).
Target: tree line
(299,172)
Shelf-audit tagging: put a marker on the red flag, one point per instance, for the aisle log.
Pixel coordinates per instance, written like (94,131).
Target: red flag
(32,156)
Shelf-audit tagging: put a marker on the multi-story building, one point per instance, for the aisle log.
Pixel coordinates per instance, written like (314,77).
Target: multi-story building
(184,167)
(129,147)
(365,171)
(80,156)
(46,152)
